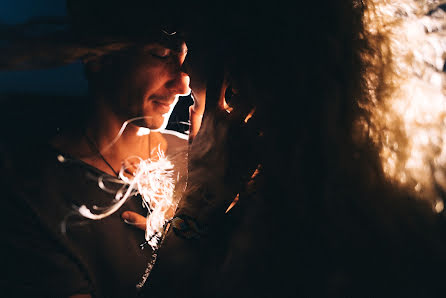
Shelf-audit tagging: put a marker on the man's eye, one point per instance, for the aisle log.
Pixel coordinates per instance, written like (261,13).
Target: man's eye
(160,53)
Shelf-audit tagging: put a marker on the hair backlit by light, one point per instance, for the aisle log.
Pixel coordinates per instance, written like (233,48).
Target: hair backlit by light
(408,106)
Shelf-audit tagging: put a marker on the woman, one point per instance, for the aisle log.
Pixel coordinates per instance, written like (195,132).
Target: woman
(318,218)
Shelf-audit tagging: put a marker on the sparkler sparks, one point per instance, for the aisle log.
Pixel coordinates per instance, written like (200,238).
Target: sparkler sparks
(408,106)
(154,181)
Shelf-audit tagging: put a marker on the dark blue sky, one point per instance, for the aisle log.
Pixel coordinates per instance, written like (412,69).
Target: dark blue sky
(18,11)
(67,80)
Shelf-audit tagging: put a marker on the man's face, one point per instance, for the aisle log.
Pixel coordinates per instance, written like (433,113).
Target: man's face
(147,81)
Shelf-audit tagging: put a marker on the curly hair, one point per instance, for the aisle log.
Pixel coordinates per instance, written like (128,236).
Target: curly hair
(322,207)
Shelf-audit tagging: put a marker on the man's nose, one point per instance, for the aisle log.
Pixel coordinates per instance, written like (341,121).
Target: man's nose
(179,84)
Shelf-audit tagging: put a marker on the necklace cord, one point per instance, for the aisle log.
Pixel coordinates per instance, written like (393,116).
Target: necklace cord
(93,145)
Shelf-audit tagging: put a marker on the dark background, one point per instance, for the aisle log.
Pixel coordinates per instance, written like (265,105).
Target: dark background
(62,81)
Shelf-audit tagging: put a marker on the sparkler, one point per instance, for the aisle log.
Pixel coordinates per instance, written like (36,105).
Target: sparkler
(408,104)
(153,179)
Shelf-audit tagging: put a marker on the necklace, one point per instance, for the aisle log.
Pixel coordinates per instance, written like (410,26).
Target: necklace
(93,146)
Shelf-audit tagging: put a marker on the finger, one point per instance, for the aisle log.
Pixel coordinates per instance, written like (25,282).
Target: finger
(133,218)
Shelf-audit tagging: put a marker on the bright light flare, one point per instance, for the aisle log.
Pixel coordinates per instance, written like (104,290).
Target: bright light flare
(155,183)
(408,122)
(143,131)
(153,179)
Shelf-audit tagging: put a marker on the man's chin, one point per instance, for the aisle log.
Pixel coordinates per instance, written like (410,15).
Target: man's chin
(155,123)
(142,122)
(154,120)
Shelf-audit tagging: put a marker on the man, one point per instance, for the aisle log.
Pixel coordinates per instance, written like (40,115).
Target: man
(140,80)
(144,81)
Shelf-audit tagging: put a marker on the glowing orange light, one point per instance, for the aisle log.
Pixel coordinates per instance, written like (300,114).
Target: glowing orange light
(236,199)
(233,203)
(256,172)
(249,116)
